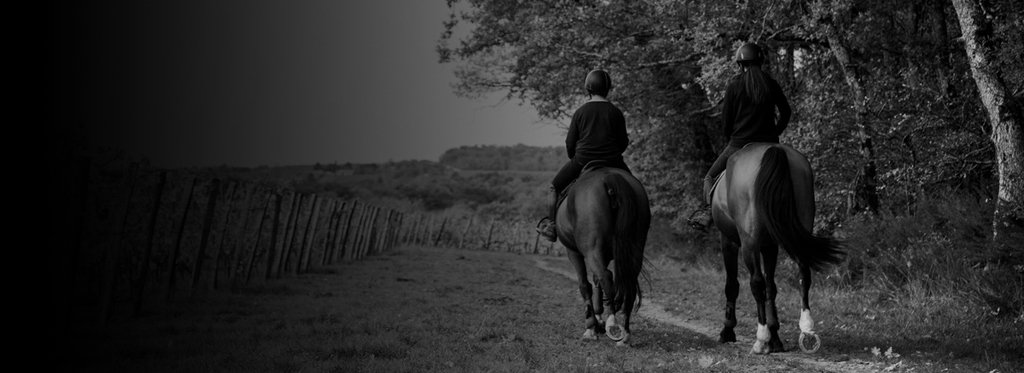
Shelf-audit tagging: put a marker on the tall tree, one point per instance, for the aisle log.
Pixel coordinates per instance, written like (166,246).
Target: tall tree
(982,43)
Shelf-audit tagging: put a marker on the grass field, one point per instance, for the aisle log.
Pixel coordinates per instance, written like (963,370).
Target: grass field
(420,309)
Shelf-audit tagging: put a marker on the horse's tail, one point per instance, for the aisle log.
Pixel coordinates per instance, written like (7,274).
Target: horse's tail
(629,238)
(776,207)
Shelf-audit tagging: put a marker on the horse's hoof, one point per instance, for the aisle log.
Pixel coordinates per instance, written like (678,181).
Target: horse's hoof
(726,336)
(760,348)
(613,330)
(615,333)
(775,345)
(589,335)
(806,345)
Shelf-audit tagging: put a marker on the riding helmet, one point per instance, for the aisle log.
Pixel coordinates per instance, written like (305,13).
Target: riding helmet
(598,82)
(749,52)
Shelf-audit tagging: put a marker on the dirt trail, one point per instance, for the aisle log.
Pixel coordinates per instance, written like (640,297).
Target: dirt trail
(655,310)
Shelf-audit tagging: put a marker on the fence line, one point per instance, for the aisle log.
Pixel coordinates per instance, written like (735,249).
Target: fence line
(151,236)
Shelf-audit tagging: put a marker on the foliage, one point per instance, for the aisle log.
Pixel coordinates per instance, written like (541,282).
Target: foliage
(670,61)
(941,250)
(905,101)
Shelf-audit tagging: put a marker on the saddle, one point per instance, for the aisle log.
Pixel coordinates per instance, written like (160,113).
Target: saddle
(590,166)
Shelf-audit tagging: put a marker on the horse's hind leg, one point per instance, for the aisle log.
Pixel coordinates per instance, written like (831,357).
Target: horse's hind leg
(586,291)
(628,301)
(806,321)
(730,252)
(752,258)
(769,257)
(604,304)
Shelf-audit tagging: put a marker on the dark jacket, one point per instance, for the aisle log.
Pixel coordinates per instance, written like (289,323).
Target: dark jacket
(597,131)
(744,122)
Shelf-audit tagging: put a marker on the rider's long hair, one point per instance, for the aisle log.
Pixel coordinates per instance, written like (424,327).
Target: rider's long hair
(755,82)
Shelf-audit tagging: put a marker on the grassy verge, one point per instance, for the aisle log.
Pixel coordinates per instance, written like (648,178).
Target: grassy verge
(413,310)
(425,309)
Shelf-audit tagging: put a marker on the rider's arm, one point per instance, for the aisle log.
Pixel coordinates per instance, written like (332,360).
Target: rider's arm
(729,113)
(572,137)
(783,105)
(621,136)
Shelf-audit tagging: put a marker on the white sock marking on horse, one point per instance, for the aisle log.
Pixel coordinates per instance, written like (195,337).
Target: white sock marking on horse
(806,322)
(761,344)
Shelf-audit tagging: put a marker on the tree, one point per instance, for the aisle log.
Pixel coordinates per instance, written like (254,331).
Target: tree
(981,43)
(882,107)
(865,186)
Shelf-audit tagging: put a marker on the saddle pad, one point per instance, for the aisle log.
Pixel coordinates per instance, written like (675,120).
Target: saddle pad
(711,193)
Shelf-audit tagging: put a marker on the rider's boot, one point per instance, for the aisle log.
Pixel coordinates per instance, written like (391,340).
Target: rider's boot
(546,226)
(701,218)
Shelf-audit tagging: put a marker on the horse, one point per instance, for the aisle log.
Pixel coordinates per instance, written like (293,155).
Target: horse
(603,222)
(765,200)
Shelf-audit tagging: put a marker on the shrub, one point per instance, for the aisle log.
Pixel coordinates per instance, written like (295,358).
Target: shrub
(943,249)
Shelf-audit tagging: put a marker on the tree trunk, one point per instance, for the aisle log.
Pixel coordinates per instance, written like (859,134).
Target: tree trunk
(865,186)
(1004,114)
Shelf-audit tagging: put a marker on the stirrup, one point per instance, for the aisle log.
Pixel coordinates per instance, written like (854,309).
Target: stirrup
(700,224)
(546,228)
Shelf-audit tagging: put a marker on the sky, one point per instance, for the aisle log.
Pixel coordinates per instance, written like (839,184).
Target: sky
(260,82)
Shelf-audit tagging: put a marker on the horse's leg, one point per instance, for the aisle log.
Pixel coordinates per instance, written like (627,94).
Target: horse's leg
(806,321)
(605,306)
(730,253)
(586,292)
(752,258)
(769,257)
(626,311)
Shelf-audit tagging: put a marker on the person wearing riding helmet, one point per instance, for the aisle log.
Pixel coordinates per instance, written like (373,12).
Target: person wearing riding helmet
(748,115)
(597,132)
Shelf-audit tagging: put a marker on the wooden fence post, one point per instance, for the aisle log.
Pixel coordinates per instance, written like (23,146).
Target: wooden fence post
(211,205)
(374,231)
(235,255)
(272,252)
(393,236)
(357,243)
(173,262)
(307,237)
(465,231)
(332,232)
(437,239)
(385,233)
(490,230)
(345,249)
(148,254)
(259,235)
(224,230)
(294,227)
(283,252)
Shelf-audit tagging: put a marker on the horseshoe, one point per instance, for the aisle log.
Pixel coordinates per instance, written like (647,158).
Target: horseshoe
(814,347)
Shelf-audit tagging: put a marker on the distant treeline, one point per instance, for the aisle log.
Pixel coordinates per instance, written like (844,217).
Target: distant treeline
(505,158)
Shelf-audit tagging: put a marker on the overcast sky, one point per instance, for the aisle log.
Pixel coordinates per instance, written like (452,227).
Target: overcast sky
(261,82)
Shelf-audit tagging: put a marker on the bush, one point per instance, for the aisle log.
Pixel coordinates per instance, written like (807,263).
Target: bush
(943,249)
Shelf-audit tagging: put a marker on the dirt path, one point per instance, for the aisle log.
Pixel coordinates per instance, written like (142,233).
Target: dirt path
(654,309)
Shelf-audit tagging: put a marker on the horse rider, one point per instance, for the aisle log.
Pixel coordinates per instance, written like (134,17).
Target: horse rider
(597,132)
(748,115)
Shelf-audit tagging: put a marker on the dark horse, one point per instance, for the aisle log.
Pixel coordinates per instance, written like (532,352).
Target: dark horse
(603,223)
(765,200)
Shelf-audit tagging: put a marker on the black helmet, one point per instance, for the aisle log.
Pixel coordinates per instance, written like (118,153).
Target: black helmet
(598,82)
(749,52)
